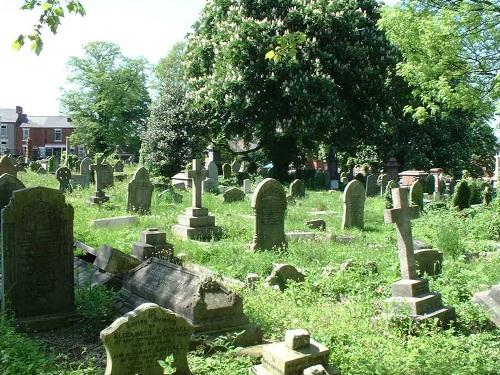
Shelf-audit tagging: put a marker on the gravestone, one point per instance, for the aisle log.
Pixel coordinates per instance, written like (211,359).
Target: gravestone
(372,188)
(354,205)
(209,185)
(37,258)
(83,179)
(411,294)
(7,166)
(226,171)
(282,274)
(213,171)
(233,195)
(235,167)
(430,184)
(198,298)
(490,300)
(8,184)
(153,243)
(383,180)
(417,194)
(247,186)
(135,342)
(196,223)
(63,175)
(107,176)
(140,191)
(114,261)
(99,175)
(297,189)
(293,356)
(269,206)
(118,166)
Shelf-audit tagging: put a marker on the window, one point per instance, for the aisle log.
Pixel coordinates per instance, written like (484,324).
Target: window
(57,135)
(3,131)
(26,134)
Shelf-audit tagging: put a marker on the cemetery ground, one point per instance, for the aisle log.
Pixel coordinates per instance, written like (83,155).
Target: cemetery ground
(338,304)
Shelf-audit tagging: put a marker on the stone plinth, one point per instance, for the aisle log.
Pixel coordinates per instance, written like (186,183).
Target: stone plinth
(197,224)
(153,243)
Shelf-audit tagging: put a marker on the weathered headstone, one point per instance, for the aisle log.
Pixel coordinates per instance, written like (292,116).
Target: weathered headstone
(226,171)
(196,223)
(247,186)
(37,258)
(233,195)
(383,180)
(282,274)
(114,261)
(269,206)
(490,300)
(153,243)
(235,166)
(372,189)
(118,166)
(354,205)
(136,342)
(7,166)
(99,175)
(198,298)
(83,179)
(297,189)
(140,191)
(8,184)
(213,171)
(107,176)
(417,194)
(430,184)
(411,294)
(293,356)
(63,175)
(209,185)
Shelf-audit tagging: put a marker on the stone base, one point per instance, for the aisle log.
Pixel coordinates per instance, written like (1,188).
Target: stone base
(98,198)
(46,322)
(260,370)
(197,224)
(200,234)
(490,299)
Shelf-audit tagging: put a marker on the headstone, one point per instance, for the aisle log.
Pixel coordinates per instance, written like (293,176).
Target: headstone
(282,274)
(153,243)
(7,166)
(114,222)
(297,189)
(37,258)
(63,175)
(107,176)
(100,176)
(213,171)
(198,298)
(429,262)
(209,185)
(140,191)
(8,184)
(383,180)
(235,167)
(269,206)
(247,186)
(354,205)
(196,223)
(490,300)
(293,356)
(372,189)
(233,195)
(118,166)
(114,261)
(83,179)
(417,194)
(226,171)
(430,184)
(411,294)
(136,342)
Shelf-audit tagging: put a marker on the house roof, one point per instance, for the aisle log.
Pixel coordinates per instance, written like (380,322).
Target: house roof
(57,122)
(8,115)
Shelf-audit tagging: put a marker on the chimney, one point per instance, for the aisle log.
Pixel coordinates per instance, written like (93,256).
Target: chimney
(19,110)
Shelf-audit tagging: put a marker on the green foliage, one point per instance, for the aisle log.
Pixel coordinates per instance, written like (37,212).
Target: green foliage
(172,138)
(450,53)
(430,184)
(461,196)
(476,187)
(51,14)
(94,302)
(388,194)
(332,90)
(107,98)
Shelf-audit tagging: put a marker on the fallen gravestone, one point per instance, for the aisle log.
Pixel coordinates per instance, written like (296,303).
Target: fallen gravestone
(282,274)
(37,259)
(269,205)
(140,191)
(113,222)
(136,342)
(202,301)
(8,184)
(114,261)
(411,294)
(233,195)
(490,300)
(86,274)
(354,205)
(153,243)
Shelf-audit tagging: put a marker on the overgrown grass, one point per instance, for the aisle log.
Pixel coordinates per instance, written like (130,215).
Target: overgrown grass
(340,309)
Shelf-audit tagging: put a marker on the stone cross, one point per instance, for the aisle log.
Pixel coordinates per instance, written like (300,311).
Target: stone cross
(401,215)
(29,150)
(66,161)
(197,174)
(99,170)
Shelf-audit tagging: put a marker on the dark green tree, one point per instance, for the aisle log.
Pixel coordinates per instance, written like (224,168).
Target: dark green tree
(107,98)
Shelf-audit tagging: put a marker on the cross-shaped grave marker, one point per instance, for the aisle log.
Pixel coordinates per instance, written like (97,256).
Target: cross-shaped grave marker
(197,174)
(99,195)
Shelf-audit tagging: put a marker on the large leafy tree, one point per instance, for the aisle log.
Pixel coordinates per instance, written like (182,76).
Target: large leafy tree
(451,53)
(107,98)
(332,89)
